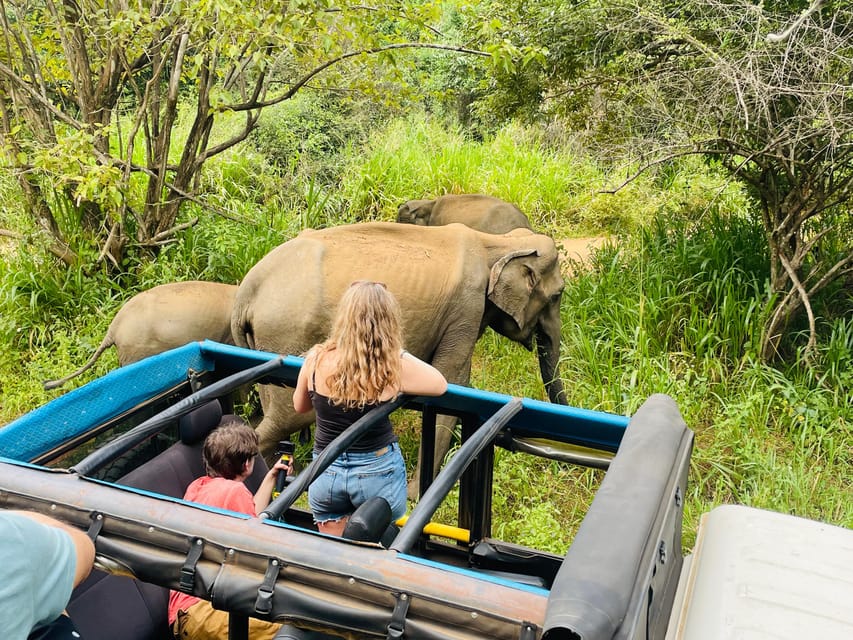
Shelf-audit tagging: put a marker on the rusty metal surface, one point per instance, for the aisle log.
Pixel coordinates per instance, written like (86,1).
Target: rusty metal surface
(325,581)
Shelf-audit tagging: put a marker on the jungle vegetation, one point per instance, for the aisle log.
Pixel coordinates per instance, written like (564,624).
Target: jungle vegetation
(711,141)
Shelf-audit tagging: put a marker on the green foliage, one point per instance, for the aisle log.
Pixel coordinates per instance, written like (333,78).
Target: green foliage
(310,134)
(754,86)
(672,305)
(556,185)
(129,151)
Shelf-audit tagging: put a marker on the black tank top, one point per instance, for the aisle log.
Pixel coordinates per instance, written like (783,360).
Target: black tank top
(333,419)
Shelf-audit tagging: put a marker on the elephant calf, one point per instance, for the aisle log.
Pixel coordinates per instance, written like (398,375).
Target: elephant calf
(163,318)
(480,212)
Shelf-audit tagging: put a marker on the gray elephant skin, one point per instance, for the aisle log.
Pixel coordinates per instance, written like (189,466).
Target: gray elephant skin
(481,212)
(163,318)
(451,281)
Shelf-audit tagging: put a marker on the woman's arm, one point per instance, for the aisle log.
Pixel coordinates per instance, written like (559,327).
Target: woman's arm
(419,378)
(301,401)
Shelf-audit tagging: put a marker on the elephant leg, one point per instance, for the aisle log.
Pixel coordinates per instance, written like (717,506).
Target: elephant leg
(280,419)
(444,427)
(455,363)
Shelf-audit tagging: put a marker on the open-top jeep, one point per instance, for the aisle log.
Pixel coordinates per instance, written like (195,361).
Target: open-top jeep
(114,457)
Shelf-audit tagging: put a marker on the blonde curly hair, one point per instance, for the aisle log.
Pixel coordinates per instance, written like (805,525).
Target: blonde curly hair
(367,335)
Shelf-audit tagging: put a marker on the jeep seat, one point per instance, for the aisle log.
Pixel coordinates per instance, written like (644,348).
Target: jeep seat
(106,606)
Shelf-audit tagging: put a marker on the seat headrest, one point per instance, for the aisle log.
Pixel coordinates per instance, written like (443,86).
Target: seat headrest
(369,521)
(194,426)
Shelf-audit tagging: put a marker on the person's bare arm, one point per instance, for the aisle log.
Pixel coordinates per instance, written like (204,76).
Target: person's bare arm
(419,378)
(301,401)
(263,495)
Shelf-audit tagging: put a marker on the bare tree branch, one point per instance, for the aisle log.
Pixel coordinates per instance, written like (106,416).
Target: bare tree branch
(776,38)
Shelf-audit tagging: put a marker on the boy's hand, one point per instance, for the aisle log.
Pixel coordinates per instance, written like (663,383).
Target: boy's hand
(280,466)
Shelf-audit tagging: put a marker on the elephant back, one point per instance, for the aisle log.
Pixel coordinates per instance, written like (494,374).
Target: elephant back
(286,301)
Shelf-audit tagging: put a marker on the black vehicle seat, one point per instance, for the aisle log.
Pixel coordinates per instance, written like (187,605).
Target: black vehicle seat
(371,522)
(172,471)
(108,607)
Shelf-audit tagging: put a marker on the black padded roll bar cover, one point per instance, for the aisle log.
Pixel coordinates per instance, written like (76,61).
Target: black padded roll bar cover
(592,592)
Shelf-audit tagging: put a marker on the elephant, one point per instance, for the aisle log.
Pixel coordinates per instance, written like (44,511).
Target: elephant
(480,212)
(165,317)
(451,282)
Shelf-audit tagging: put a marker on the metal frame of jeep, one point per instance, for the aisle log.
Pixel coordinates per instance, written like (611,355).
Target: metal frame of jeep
(617,580)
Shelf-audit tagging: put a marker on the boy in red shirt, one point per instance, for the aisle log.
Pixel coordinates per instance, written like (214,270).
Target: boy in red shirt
(229,458)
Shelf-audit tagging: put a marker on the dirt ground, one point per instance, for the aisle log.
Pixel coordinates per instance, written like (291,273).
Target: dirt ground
(575,252)
(7,246)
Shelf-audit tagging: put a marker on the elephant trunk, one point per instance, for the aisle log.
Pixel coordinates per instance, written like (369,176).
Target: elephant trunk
(548,350)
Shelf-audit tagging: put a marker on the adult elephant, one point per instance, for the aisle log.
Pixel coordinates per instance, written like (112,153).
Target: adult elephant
(451,281)
(165,317)
(480,212)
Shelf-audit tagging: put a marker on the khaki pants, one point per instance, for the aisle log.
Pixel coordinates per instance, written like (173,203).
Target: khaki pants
(202,622)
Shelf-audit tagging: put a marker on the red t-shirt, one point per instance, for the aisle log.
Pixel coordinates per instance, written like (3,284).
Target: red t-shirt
(214,492)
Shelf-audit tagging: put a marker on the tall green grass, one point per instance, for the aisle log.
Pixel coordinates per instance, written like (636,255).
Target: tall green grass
(673,304)
(559,188)
(676,309)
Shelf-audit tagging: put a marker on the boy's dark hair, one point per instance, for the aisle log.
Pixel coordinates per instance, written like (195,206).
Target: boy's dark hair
(229,447)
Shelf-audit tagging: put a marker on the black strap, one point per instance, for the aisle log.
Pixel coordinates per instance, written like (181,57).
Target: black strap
(263,603)
(397,626)
(97,524)
(188,570)
(528,631)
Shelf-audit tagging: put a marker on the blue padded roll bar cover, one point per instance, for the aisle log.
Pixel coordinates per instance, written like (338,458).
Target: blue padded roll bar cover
(604,575)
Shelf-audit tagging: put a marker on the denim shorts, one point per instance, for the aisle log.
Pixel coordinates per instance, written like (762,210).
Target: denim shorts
(353,478)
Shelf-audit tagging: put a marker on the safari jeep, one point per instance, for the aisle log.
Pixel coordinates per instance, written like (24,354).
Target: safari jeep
(114,457)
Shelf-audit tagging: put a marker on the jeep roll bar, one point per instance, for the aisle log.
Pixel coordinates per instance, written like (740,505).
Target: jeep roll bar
(158,422)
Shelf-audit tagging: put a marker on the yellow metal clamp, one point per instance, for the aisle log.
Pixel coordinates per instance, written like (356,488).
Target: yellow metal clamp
(442,530)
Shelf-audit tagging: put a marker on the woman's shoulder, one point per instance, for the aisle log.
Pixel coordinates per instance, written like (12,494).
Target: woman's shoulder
(315,357)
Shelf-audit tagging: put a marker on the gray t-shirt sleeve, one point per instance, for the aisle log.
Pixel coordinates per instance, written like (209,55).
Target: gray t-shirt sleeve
(37,565)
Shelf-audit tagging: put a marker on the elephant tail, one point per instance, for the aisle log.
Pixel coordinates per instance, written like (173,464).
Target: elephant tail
(106,343)
(241,327)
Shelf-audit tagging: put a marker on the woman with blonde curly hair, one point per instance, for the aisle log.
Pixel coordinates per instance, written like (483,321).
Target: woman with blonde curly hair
(360,366)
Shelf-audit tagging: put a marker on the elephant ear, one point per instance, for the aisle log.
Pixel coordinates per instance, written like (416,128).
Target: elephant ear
(511,281)
(421,213)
